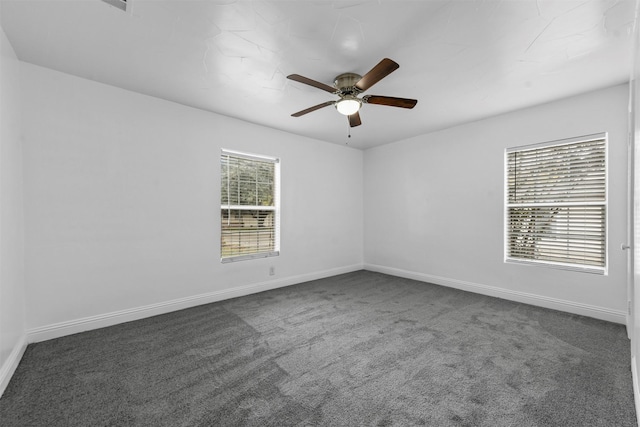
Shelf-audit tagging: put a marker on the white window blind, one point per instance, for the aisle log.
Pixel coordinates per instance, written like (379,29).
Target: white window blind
(249,206)
(557,203)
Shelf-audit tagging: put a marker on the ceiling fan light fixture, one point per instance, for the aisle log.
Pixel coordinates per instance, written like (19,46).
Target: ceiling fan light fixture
(348,105)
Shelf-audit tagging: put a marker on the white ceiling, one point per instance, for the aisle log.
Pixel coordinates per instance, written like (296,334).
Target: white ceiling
(463,60)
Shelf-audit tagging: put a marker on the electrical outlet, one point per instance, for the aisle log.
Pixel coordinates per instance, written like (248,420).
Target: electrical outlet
(272,270)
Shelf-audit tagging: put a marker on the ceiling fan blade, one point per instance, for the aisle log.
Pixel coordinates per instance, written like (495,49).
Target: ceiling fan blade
(390,101)
(354,119)
(377,73)
(308,81)
(314,108)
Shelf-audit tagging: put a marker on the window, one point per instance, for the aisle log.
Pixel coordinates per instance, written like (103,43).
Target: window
(556,204)
(249,206)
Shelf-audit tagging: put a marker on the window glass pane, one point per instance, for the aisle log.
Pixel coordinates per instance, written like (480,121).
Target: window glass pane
(247,193)
(247,232)
(265,194)
(558,174)
(563,234)
(234,193)
(246,171)
(265,172)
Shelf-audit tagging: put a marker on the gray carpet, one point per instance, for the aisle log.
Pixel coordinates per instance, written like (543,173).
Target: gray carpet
(360,349)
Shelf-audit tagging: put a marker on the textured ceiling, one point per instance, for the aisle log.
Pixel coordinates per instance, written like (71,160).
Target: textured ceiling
(463,60)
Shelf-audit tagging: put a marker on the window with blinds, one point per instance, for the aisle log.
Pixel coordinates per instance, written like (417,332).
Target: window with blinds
(249,198)
(556,204)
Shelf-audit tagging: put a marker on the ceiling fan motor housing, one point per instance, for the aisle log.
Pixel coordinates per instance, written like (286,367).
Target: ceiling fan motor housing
(346,83)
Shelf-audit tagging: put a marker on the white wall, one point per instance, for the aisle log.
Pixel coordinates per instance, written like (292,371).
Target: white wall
(122,205)
(12,309)
(434,206)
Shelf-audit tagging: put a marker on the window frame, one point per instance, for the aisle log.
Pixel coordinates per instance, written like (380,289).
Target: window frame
(275,207)
(601,270)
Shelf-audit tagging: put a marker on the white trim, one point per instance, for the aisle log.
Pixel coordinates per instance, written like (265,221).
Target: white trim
(636,387)
(11,364)
(74,326)
(517,296)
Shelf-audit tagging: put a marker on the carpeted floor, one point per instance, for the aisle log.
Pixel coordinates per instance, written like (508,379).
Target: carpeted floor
(360,349)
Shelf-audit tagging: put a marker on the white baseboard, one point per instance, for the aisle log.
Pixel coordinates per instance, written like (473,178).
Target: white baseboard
(10,365)
(636,387)
(74,326)
(523,297)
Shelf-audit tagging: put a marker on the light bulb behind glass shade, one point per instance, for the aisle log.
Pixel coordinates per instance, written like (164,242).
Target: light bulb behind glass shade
(348,106)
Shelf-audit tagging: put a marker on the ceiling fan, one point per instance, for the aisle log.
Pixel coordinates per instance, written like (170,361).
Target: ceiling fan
(349,85)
